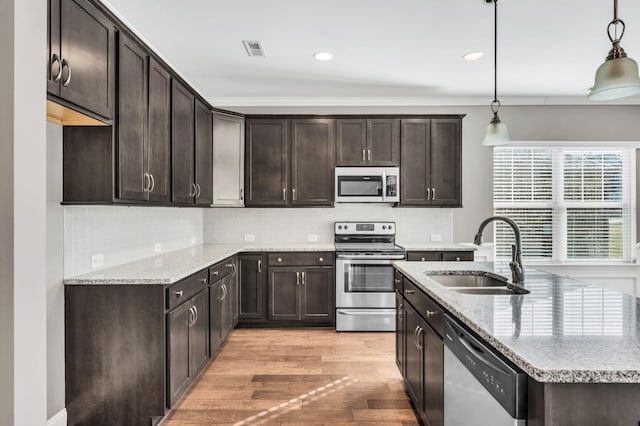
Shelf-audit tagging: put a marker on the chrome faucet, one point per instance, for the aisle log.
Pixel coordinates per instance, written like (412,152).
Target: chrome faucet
(517,270)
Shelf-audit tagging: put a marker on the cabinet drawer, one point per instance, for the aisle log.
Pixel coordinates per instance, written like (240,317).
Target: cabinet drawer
(425,306)
(301,259)
(457,255)
(424,256)
(183,290)
(220,270)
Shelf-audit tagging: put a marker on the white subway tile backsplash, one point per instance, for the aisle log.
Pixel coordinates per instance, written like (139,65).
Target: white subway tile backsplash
(124,234)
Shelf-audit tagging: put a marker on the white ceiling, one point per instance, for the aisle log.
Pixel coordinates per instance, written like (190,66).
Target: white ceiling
(385,51)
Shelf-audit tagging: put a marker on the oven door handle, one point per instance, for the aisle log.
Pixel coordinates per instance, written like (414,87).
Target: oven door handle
(389,258)
(382,311)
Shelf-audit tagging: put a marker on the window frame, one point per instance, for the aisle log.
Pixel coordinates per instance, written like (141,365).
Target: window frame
(559,206)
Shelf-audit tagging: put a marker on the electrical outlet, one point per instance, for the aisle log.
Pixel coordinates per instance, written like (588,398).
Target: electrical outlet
(97,260)
(436,237)
(249,238)
(312,238)
(157,247)
(194,240)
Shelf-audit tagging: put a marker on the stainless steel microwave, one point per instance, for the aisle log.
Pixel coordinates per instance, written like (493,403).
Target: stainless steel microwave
(367,184)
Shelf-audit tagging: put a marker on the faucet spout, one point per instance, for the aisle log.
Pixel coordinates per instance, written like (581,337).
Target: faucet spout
(517,271)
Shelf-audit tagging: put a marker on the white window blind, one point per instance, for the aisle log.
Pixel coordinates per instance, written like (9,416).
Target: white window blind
(570,203)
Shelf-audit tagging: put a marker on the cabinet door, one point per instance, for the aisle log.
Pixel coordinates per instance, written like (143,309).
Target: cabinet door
(351,142)
(199,333)
(215,316)
(228,160)
(87,49)
(204,154)
(133,183)
(415,176)
(178,322)
(266,163)
(413,352)
(433,377)
(182,145)
(159,140)
(226,303)
(445,162)
(317,291)
(400,333)
(251,280)
(383,142)
(284,299)
(233,291)
(54,66)
(312,147)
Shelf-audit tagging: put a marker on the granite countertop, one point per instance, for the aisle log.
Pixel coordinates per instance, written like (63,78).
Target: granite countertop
(438,246)
(173,266)
(564,331)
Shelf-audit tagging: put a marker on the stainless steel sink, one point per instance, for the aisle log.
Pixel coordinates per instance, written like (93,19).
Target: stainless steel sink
(477,282)
(459,280)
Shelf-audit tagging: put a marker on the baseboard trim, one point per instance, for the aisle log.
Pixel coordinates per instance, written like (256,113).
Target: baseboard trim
(60,419)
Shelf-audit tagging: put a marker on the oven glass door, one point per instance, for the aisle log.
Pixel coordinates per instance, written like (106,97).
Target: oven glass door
(368,278)
(360,186)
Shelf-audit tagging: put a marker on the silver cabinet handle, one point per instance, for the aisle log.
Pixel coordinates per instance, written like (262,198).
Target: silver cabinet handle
(304,278)
(321,259)
(433,193)
(363,157)
(457,258)
(193,186)
(55,58)
(203,280)
(153,183)
(294,194)
(146,184)
(241,193)
(409,291)
(430,314)
(68,80)
(418,344)
(279,259)
(178,293)
(415,336)
(369,152)
(197,190)
(422,259)
(229,265)
(297,278)
(396,281)
(428,193)
(284,194)
(259,265)
(195,311)
(191,317)
(224,291)
(235,269)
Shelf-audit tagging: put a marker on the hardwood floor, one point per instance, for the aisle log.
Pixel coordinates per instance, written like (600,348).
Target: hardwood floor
(299,377)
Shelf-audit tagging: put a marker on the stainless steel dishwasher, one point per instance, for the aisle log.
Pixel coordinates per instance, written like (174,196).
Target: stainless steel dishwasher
(479,387)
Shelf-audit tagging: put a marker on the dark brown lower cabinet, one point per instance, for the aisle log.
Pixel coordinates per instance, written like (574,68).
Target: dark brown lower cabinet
(215,319)
(223,301)
(437,256)
(317,294)
(188,340)
(251,270)
(420,358)
(301,294)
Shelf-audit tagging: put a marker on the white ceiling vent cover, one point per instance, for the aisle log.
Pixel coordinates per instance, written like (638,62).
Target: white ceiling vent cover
(254,48)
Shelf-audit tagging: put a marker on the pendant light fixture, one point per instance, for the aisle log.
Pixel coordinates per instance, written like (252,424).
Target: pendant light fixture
(617,77)
(497,133)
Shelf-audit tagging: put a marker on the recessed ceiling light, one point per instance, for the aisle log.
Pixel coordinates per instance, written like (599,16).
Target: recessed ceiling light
(323,56)
(473,56)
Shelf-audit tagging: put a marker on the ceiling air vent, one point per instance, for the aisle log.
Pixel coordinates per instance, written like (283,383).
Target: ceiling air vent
(254,48)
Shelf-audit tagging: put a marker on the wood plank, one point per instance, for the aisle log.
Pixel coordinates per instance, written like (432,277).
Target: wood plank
(299,377)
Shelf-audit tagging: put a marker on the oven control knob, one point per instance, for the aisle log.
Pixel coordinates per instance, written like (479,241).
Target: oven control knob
(346,227)
(384,227)
(339,226)
(390,226)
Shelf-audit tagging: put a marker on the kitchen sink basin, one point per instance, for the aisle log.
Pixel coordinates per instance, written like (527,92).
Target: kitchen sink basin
(477,282)
(466,280)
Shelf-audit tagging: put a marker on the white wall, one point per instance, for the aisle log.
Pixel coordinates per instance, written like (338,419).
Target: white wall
(526,123)
(55,288)
(124,234)
(229,225)
(23,399)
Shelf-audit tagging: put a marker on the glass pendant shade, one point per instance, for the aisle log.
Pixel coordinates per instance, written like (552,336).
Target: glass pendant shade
(496,134)
(616,78)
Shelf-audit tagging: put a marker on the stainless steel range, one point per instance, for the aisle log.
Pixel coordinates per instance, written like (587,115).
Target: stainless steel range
(365,298)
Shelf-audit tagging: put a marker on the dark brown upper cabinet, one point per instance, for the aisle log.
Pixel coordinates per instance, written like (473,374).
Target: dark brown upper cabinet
(143,123)
(81,56)
(289,162)
(184,187)
(266,168)
(431,162)
(312,148)
(368,142)
(204,154)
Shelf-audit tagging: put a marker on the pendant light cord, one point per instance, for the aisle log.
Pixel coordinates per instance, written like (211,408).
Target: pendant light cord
(495,51)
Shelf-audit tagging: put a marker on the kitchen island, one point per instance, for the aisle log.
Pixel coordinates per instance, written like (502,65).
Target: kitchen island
(578,343)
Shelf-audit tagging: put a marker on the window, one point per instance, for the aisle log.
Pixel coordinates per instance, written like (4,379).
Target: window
(570,203)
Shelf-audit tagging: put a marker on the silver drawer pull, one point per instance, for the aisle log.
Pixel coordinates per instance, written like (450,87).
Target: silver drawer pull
(409,291)
(422,259)
(321,259)
(458,259)
(396,280)
(216,272)
(179,293)
(431,313)
(279,259)
(203,280)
